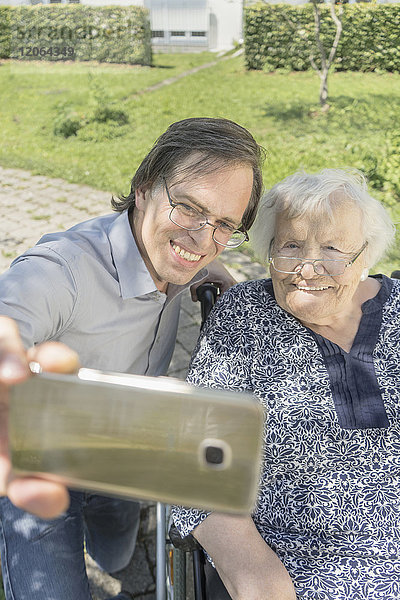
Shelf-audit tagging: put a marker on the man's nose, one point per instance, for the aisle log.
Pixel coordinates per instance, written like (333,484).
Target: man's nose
(203,237)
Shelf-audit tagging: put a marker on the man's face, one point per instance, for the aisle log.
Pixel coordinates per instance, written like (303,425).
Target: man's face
(173,254)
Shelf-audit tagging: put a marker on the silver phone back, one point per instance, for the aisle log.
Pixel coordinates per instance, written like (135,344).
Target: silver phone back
(143,437)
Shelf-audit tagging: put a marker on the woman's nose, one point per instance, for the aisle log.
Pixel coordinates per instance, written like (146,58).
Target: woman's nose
(307,270)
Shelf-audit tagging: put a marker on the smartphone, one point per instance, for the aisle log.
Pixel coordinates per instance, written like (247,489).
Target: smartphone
(154,438)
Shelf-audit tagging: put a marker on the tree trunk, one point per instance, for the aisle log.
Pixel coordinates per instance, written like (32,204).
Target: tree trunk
(323,90)
(325,61)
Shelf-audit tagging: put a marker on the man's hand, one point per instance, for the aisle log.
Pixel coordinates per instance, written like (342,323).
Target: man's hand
(38,496)
(217,274)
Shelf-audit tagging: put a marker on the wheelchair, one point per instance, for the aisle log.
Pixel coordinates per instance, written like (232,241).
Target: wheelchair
(171,550)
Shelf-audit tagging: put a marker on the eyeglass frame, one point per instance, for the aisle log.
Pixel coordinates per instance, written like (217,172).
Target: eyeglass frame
(310,261)
(206,222)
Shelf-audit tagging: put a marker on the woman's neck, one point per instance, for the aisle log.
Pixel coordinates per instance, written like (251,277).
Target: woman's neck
(341,329)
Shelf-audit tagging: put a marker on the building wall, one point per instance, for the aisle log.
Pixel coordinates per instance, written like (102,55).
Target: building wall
(195,24)
(226,23)
(181,25)
(110,2)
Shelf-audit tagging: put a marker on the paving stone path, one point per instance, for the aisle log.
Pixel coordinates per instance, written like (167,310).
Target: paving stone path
(31,205)
(170,80)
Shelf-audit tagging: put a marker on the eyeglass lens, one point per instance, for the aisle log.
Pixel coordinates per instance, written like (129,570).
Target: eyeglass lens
(321,266)
(192,220)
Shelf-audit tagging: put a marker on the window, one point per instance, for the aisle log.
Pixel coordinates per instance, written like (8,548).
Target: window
(159,34)
(177,34)
(198,33)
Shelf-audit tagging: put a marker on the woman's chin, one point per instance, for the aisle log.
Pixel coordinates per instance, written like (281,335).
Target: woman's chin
(308,310)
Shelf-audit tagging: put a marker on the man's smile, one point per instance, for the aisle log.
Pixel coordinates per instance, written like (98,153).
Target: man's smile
(185,254)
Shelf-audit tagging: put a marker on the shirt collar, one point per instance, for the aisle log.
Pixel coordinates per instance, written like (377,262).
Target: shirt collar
(377,302)
(133,275)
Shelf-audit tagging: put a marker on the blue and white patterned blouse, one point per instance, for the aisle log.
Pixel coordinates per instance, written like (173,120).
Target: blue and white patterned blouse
(329,500)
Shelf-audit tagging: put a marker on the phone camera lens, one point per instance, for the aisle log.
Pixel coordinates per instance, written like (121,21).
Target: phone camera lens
(214,455)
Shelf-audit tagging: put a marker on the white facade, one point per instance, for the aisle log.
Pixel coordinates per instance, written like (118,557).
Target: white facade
(195,24)
(109,2)
(226,16)
(178,24)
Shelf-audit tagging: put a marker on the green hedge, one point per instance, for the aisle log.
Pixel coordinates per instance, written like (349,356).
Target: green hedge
(370,39)
(4,31)
(76,32)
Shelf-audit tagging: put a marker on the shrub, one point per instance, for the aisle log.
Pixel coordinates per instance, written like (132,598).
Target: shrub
(390,170)
(370,40)
(5,13)
(113,34)
(100,132)
(68,121)
(105,119)
(109,113)
(382,168)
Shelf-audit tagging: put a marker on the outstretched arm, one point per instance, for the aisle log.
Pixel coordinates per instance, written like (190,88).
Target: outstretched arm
(40,497)
(248,567)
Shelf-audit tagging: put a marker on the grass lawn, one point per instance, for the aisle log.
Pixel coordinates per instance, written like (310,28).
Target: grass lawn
(280,109)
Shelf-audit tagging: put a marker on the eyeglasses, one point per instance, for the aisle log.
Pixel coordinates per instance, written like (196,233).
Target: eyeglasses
(322,266)
(191,219)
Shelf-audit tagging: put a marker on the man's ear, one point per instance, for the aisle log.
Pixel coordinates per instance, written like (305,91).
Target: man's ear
(140,199)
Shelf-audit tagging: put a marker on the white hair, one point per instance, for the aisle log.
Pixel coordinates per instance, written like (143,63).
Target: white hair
(312,194)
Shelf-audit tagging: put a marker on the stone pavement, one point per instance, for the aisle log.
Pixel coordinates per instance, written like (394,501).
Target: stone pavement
(31,205)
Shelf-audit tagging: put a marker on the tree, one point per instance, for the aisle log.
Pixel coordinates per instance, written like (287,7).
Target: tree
(325,60)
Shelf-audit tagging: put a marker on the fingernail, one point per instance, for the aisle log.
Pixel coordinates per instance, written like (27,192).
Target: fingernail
(12,367)
(35,367)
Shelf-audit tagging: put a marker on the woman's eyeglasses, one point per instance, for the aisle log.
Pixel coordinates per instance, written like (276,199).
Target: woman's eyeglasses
(322,266)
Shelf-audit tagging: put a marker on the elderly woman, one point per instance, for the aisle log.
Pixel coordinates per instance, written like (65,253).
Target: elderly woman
(319,345)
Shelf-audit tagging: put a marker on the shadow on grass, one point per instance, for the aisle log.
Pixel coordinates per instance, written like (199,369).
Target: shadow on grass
(162,67)
(288,111)
(360,111)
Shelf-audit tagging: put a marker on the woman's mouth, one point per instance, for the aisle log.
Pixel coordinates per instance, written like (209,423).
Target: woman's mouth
(309,288)
(190,256)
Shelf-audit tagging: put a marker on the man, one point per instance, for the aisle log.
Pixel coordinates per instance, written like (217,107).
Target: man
(110,290)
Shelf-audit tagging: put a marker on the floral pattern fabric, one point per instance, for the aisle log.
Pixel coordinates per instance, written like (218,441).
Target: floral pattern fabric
(329,499)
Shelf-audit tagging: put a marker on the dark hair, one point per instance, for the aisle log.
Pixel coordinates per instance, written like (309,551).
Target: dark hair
(212,144)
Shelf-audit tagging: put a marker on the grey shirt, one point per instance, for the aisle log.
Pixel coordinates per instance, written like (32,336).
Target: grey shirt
(89,288)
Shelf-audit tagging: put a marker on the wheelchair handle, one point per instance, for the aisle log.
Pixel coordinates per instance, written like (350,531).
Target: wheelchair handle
(207,296)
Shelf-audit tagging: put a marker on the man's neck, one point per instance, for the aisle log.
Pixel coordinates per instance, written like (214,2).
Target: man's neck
(162,286)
